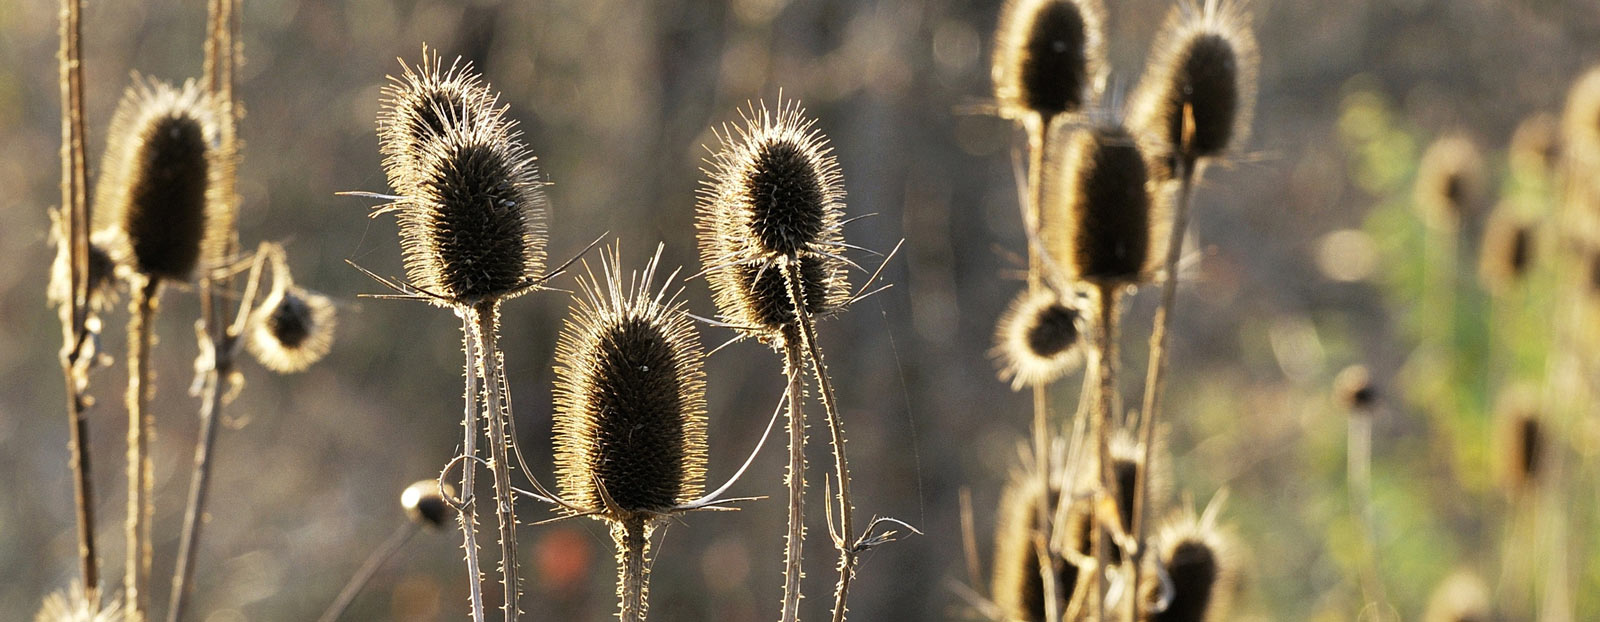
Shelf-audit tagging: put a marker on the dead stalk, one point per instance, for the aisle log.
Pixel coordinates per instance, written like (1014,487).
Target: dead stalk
(491,367)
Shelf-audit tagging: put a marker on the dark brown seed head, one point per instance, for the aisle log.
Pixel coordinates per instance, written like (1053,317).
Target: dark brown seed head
(1038,339)
(1460,597)
(1521,439)
(1536,145)
(294,329)
(102,273)
(423,104)
(1097,213)
(156,186)
(1507,250)
(1199,89)
(1355,390)
(1049,56)
(473,224)
(1017,582)
(425,506)
(1580,124)
(1452,182)
(1195,558)
(774,192)
(630,399)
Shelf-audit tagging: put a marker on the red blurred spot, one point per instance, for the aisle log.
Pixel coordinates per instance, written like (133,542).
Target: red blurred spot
(563,558)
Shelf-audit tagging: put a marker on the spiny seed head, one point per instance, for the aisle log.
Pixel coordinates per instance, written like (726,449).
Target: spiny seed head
(1580,123)
(1507,250)
(1097,220)
(157,188)
(293,330)
(1127,461)
(1355,390)
(1521,439)
(1197,560)
(1017,583)
(1460,597)
(422,105)
(774,191)
(1452,181)
(1199,89)
(472,225)
(424,504)
(75,605)
(1039,338)
(629,398)
(1536,144)
(102,277)
(1049,56)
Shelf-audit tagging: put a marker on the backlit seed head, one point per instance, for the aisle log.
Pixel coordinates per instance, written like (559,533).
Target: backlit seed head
(1452,181)
(1355,390)
(1580,124)
(75,605)
(423,104)
(1049,56)
(774,191)
(472,224)
(157,188)
(1521,439)
(102,274)
(1507,251)
(1097,220)
(1199,89)
(1197,559)
(425,506)
(629,398)
(1039,338)
(1127,461)
(1017,583)
(1460,597)
(293,330)
(1536,144)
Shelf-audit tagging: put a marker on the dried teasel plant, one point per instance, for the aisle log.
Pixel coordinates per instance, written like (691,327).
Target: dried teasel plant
(1049,58)
(1520,441)
(293,327)
(1580,126)
(1452,182)
(427,504)
(1195,571)
(1508,249)
(1023,553)
(1039,338)
(79,605)
(1535,147)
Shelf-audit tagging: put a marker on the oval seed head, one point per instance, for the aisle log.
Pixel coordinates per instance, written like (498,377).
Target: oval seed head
(1460,597)
(1017,584)
(156,189)
(1097,213)
(774,191)
(421,105)
(1580,124)
(1536,145)
(1049,56)
(1039,338)
(74,604)
(473,225)
(629,398)
(1521,440)
(1452,181)
(1355,390)
(293,330)
(1127,461)
(425,506)
(1199,89)
(1196,558)
(1507,250)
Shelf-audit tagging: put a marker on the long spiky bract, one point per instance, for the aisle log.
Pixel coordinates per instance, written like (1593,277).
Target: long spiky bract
(423,104)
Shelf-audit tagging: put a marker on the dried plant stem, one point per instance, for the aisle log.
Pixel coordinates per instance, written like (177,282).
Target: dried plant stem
(1105,407)
(1038,128)
(75,309)
(211,403)
(491,367)
(359,580)
(633,571)
(468,514)
(794,538)
(142,312)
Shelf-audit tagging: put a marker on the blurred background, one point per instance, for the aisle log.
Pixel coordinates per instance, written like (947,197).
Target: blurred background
(1305,245)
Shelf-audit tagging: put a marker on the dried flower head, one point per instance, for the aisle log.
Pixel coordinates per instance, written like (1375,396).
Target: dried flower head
(472,223)
(1039,338)
(1521,439)
(1460,597)
(1507,250)
(774,194)
(1197,560)
(1536,144)
(1580,123)
(1127,461)
(1452,181)
(1017,584)
(1355,390)
(1097,220)
(1049,56)
(425,505)
(74,605)
(1199,89)
(293,330)
(156,189)
(630,436)
(423,104)
(102,275)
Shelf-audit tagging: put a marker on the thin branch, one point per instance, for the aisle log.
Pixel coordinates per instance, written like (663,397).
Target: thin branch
(633,571)
(359,580)
(794,538)
(467,513)
(145,291)
(491,367)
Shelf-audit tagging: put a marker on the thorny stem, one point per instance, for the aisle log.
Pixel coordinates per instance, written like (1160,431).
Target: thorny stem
(142,311)
(1106,361)
(368,568)
(794,538)
(1038,128)
(632,536)
(1155,374)
(491,367)
(468,514)
(75,308)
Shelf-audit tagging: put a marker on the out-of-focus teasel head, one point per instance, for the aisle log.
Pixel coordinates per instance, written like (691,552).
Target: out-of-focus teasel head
(102,274)
(1017,579)
(772,203)
(422,105)
(75,605)
(425,504)
(1452,182)
(294,329)
(1198,93)
(157,195)
(1098,225)
(1507,251)
(1039,338)
(1049,57)
(1355,390)
(1521,440)
(1197,561)
(1536,145)
(1580,126)
(1460,597)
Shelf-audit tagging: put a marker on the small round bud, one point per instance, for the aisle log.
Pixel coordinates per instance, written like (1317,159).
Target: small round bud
(425,506)
(293,330)
(1039,338)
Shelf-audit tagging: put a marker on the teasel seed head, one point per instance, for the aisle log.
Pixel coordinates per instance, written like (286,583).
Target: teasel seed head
(425,505)
(1017,585)
(1460,597)
(1097,224)
(1197,559)
(1507,252)
(293,330)
(422,105)
(629,398)
(1039,338)
(1536,144)
(1452,181)
(157,189)
(472,225)
(74,604)
(102,273)
(1049,56)
(1127,461)
(1580,124)
(1356,390)
(774,191)
(1522,439)
(1198,93)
